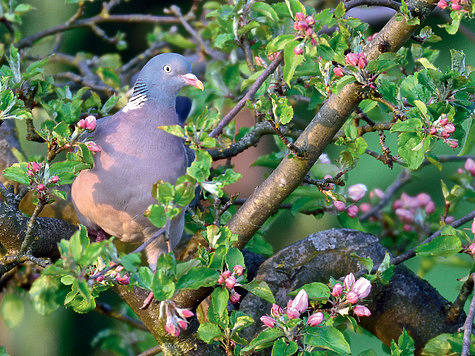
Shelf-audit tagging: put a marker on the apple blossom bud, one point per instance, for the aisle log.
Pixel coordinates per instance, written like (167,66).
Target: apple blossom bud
(226,274)
(470,166)
(308,32)
(473,226)
(100,279)
(361,310)
(460,171)
(292,313)
(300,16)
(452,143)
(362,287)
(30,173)
(234,297)
(362,61)
(183,324)
(296,25)
(449,219)
(230,282)
(301,301)
(449,128)
(430,207)
(268,321)
(238,270)
(351,59)
(276,310)
(302,26)
(407,227)
(313,41)
(299,49)
(370,38)
(171,328)
(93,147)
(349,281)
(124,280)
(259,61)
(310,20)
(352,297)
(365,207)
(54,179)
(352,211)
(455,6)
(339,205)
(221,279)
(338,72)
(442,4)
(357,191)
(185,313)
(433,130)
(405,215)
(41,187)
(423,199)
(81,124)
(471,247)
(445,134)
(315,319)
(90,122)
(337,290)
(397,204)
(443,120)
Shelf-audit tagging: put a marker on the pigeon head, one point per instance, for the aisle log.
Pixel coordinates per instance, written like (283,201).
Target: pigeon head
(165,75)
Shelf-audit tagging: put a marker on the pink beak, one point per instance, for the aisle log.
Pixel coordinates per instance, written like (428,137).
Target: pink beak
(191,79)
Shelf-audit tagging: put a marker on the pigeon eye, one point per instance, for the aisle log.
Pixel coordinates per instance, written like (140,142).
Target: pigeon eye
(167,68)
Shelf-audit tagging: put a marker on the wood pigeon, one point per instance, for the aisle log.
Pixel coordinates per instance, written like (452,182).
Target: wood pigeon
(114,195)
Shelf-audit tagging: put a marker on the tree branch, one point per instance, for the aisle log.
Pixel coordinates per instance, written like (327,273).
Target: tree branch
(467,326)
(386,3)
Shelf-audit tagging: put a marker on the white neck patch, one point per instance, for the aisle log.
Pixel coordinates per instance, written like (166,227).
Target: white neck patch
(138,98)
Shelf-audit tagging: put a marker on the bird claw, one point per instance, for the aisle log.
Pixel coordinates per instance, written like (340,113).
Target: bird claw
(147,301)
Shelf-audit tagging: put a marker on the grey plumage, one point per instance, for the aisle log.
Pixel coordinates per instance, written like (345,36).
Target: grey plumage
(135,155)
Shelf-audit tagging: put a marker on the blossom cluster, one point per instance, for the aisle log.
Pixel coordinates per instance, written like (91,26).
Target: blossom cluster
(89,124)
(472,245)
(36,172)
(350,293)
(455,5)
(469,167)
(355,193)
(412,210)
(175,317)
(230,280)
(444,129)
(354,59)
(115,274)
(304,25)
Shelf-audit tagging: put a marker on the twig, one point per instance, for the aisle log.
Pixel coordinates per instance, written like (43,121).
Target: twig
(204,47)
(32,134)
(106,309)
(249,95)
(398,114)
(28,240)
(84,82)
(403,178)
(293,149)
(142,57)
(386,152)
(467,326)
(382,158)
(367,128)
(153,351)
(412,252)
(386,3)
(457,307)
(361,115)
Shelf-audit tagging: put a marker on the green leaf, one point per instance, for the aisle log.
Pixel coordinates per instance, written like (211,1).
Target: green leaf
(412,148)
(295,6)
(264,339)
(44,294)
(426,64)
(175,130)
(260,289)
(12,310)
(265,10)
(469,142)
(163,286)
(291,61)
(284,347)
(404,347)
(366,262)
(156,215)
(217,312)
(410,125)
(198,277)
(239,321)
(109,104)
(339,10)
(209,331)
(278,43)
(17,174)
(446,244)
(316,291)
(179,40)
(234,257)
(327,337)
(200,168)
(131,261)
(259,245)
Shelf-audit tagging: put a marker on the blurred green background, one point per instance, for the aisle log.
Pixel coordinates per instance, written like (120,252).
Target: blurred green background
(67,333)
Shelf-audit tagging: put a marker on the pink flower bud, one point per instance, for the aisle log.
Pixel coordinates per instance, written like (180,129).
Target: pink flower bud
(352,211)
(433,130)
(362,287)
(473,226)
(35,167)
(171,328)
(352,59)
(397,204)
(453,143)
(337,290)
(299,16)
(365,207)
(315,319)
(90,123)
(443,120)
(292,313)
(54,179)
(301,301)
(41,187)
(445,134)
(338,72)
(238,270)
(472,248)
(124,280)
(409,202)
(30,173)
(226,274)
(361,310)
(407,227)
(100,279)
(259,61)
(339,205)
(276,310)
(182,324)
(455,6)
(449,219)
(273,56)
(430,207)
(370,38)
(470,166)
(377,192)
(362,61)
(357,191)
(442,4)
(423,199)
(185,313)
(405,215)
(352,297)
(230,282)
(308,32)
(81,124)
(460,171)
(310,20)
(349,281)
(299,49)
(449,128)
(221,279)
(268,321)
(234,297)
(313,41)
(93,147)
